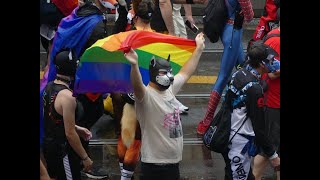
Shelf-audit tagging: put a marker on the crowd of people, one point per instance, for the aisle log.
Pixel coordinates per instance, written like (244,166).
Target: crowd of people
(66,120)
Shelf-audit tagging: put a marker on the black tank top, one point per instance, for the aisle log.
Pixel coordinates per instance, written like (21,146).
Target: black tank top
(53,121)
(157,23)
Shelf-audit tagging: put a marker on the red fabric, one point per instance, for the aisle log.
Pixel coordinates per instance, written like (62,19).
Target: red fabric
(263,27)
(273,93)
(212,106)
(93,96)
(246,8)
(274,42)
(271,9)
(66,6)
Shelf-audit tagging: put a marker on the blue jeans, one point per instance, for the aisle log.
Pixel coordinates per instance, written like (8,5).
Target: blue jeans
(232,55)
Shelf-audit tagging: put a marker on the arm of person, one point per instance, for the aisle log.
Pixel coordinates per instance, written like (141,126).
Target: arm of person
(135,76)
(274,75)
(84,133)
(190,66)
(255,109)
(188,13)
(166,12)
(247,10)
(68,112)
(43,172)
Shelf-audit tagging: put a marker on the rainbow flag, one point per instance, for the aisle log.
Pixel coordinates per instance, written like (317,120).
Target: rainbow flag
(103,67)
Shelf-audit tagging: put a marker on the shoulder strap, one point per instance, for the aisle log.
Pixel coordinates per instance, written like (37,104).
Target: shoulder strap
(238,129)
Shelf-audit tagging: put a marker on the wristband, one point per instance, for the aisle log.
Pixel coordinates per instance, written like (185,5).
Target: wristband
(189,2)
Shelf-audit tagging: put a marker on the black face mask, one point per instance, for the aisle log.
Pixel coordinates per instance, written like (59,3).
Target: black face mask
(160,72)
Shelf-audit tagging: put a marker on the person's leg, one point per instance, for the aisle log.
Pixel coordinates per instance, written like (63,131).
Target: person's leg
(52,159)
(121,149)
(274,115)
(231,41)
(241,57)
(240,161)
(130,160)
(43,172)
(71,166)
(179,25)
(175,15)
(259,165)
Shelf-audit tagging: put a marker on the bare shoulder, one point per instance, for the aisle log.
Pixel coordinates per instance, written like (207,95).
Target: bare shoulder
(65,97)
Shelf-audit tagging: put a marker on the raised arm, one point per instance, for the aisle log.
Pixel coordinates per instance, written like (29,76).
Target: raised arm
(190,66)
(135,76)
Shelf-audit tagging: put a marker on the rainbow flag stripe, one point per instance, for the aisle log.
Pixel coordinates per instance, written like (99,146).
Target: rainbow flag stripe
(103,67)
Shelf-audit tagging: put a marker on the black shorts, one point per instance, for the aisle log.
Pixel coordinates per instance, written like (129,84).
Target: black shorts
(272,118)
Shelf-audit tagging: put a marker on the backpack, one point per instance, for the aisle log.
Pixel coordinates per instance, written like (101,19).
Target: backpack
(216,137)
(49,13)
(214,19)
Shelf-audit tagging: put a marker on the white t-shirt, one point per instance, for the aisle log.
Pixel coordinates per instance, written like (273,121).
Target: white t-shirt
(161,130)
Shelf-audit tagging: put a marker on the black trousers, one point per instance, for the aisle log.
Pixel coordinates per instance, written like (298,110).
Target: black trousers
(150,171)
(62,163)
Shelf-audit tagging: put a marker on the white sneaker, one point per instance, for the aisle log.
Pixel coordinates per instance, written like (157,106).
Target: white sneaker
(182,108)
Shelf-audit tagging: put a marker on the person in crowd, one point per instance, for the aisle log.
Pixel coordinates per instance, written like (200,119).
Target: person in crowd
(268,20)
(78,31)
(245,97)
(158,113)
(272,107)
(239,11)
(127,127)
(178,21)
(163,22)
(62,148)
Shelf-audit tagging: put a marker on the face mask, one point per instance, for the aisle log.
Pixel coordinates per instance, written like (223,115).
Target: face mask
(165,78)
(160,72)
